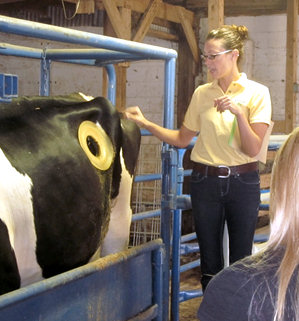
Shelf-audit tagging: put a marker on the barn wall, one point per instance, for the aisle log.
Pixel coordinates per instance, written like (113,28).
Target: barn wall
(65,78)
(268,54)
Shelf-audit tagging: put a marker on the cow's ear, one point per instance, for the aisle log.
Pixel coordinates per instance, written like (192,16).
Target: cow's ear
(96,145)
(131,138)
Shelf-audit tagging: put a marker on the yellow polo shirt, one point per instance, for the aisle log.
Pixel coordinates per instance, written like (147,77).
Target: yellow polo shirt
(212,145)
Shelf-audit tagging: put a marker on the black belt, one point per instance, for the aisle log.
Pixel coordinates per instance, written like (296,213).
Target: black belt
(223,171)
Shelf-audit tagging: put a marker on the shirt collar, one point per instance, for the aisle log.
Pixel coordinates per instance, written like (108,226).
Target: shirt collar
(241,81)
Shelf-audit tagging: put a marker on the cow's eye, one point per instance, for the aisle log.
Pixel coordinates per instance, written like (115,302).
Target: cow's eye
(96,145)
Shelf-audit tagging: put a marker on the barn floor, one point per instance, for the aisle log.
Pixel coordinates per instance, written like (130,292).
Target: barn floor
(188,309)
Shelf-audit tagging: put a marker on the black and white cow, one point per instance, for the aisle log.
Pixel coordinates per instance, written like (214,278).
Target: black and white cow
(65,164)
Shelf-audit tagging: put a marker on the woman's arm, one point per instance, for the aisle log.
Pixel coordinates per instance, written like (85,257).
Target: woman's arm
(251,135)
(180,138)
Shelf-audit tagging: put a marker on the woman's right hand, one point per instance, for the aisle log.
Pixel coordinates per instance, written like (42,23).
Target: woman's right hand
(180,138)
(134,113)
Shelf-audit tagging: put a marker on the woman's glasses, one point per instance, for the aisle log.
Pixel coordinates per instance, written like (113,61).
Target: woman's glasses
(213,56)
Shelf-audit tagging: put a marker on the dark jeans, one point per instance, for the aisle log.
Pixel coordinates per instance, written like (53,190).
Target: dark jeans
(215,200)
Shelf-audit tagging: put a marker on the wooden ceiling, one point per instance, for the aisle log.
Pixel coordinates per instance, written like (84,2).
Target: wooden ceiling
(200,7)
(236,7)
(31,5)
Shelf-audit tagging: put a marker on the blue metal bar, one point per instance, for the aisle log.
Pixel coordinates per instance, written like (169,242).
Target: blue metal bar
(87,62)
(159,263)
(188,237)
(191,294)
(264,207)
(20,51)
(176,235)
(169,90)
(189,248)
(103,55)
(165,223)
(147,177)
(190,265)
(184,201)
(44,76)
(145,132)
(44,31)
(260,238)
(91,57)
(144,215)
(89,286)
(111,83)
(169,175)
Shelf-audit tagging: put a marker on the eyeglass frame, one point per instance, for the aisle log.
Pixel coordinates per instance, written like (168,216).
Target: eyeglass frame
(213,56)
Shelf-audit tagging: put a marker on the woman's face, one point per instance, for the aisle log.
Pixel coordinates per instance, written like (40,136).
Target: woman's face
(222,65)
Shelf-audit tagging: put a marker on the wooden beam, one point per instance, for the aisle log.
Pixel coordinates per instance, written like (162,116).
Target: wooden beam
(185,79)
(166,11)
(151,9)
(241,7)
(189,33)
(215,14)
(126,17)
(215,18)
(291,65)
(86,6)
(147,19)
(115,18)
(9,1)
(162,35)
(121,69)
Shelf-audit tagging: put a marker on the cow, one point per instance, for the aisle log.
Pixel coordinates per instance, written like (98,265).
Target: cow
(66,166)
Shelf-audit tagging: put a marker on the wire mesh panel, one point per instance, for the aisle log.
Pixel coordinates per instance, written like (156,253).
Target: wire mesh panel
(146,195)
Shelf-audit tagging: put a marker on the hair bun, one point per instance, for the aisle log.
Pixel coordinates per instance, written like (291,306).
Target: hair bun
(242,31)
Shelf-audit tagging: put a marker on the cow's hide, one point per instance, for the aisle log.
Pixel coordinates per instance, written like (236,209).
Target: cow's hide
(64,163)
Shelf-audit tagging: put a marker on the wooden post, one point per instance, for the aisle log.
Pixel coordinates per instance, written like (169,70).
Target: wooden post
(118,24)
(147,19)
(215,18)
(189,34)
(186,79)
(215,14)
(86,6)
(291,65)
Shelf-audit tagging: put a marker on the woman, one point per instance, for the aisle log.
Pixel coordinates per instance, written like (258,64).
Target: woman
(225,178)
(265,286)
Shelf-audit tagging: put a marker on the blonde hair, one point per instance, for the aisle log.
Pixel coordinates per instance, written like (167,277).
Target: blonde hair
(232,36)
(284,217)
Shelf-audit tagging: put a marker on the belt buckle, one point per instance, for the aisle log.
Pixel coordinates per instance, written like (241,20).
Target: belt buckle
(228,171)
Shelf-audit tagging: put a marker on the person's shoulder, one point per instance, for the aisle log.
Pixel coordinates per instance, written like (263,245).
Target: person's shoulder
(247,272)
(231,291)
(233,280)
(246,285)
(237,270)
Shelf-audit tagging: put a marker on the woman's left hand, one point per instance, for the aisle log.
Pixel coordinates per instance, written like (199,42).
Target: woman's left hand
(225,103)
